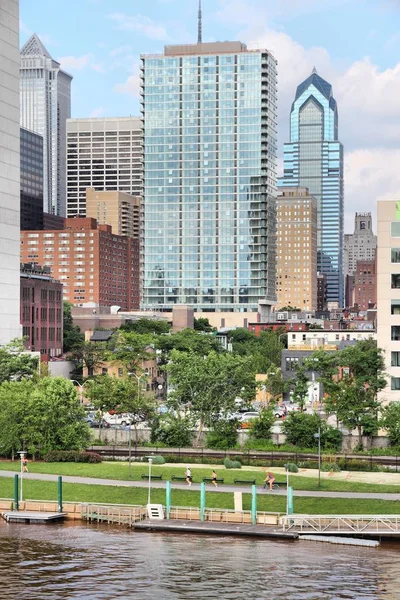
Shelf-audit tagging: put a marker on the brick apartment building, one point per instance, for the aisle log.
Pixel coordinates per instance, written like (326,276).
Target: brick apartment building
(93,264)
(41,310)
(365,284)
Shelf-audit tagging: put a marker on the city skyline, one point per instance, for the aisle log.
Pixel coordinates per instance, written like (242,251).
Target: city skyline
(362,65)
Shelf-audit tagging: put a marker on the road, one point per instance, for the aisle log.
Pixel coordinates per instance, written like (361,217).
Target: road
(196,487)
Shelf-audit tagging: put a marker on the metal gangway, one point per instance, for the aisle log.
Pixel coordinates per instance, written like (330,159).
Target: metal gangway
(382,525)
(113,513)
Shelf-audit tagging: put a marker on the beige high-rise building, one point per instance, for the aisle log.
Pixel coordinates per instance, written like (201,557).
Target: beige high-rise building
(296,248)
(118,209)
(388,295)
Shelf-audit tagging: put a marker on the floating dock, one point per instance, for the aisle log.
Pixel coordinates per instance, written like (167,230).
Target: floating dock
(31,517)
(207,527)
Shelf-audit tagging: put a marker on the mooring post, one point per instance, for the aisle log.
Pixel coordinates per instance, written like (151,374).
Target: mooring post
(289,501)
(16,491)
(60,507)
(168,498)
(254,505)
(202,501)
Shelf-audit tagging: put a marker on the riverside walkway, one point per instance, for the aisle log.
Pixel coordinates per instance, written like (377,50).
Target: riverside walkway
(196,487)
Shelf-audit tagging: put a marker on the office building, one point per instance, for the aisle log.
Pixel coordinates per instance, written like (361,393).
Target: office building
(45,108)
(296,249)
(31,147)
(41,310)
(93,264)
(53,221)
(321,291)
(209,177)
(9,171)
(388,295)
(118,209)
(104,154)
(314,159)
(365,285)
(360,245)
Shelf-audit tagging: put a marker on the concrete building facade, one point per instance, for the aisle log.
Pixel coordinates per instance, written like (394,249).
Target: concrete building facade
(360,245)
(118,209)
(104,154)
(296,249)
(45,108)
(210,119)
(9,171)
(93,264)
(388,295)
(41,310)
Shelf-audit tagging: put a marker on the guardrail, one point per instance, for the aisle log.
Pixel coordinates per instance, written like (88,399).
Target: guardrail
(272,458)
(371,524)
(222,515)
(113,513)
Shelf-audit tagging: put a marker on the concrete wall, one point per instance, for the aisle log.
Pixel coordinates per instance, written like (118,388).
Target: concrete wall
(61,368)
(9,171)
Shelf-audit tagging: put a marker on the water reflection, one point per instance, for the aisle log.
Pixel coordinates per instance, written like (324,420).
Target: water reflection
(98,562)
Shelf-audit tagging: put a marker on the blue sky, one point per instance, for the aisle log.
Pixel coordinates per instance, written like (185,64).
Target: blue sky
(354,44)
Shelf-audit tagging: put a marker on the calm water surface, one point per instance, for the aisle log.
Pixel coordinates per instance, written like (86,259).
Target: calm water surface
(100,562)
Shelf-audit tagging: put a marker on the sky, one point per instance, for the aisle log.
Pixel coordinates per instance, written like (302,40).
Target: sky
(354,44)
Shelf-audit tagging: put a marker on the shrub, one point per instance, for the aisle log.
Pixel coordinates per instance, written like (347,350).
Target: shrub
(171,431)
(222,436)
(232,464)
(292,467)
(357,465)
(300,429)
(158,460)
(330,467)
(331,438)
(72,456)
(260,429)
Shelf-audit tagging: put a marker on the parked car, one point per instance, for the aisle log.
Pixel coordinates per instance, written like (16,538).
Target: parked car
(122,419)
(246,418)
(94,422)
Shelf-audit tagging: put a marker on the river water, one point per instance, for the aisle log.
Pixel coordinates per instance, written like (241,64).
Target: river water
(100,562)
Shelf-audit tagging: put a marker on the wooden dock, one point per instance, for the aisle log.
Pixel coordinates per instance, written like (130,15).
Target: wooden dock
(31,517)
(210,528)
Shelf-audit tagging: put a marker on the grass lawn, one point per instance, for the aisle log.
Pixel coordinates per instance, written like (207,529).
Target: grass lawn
(120,470)
(43,490)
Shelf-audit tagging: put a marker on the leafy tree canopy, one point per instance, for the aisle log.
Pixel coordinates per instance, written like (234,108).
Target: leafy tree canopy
(72,337)
(203,324)
(147,326)
(16,363)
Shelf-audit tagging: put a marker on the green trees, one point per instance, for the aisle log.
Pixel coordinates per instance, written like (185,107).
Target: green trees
(300,386)
(149,326)
(41,416)
(260,429)
(73,338)
(209,384)
(16,363)
(265,349)
(390,420)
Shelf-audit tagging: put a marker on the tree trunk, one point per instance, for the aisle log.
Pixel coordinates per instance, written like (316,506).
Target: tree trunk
(198,436)
(360,440)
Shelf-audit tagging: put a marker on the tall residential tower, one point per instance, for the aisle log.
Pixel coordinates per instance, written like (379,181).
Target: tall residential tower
(45,108)
(210,115)
(9,171)
(314,159)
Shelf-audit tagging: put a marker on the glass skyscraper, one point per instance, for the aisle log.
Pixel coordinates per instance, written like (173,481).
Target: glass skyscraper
(314,159)
(45,93)
(209,112)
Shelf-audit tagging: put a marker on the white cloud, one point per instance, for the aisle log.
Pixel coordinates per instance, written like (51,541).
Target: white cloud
(74,63)
(139,24)
(132,84)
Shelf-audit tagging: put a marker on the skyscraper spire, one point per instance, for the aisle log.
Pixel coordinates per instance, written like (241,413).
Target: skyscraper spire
(200,26)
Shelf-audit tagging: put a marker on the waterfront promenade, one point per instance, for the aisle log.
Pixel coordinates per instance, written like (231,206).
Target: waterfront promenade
(196,487)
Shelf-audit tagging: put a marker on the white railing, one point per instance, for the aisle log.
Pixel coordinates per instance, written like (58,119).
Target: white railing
(113,513)
(342,523)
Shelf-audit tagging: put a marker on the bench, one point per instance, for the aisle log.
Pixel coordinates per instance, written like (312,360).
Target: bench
(159,477)
(209,480)
(179,478)
(251,481)
(281,484)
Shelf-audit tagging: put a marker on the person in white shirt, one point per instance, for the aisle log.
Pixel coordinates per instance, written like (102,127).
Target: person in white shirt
(188,476)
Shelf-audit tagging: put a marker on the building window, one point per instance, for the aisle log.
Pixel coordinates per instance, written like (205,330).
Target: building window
(395,229)
(395,281)
(395,359)
(395,333)
(291,363)
(395,383)
(395,255)
(395,307)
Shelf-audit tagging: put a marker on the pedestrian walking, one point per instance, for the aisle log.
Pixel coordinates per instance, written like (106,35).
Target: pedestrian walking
(214,478)
(188,476)
(25,465)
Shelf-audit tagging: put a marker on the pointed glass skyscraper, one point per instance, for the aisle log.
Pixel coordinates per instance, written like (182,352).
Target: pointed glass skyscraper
(45,95)
(314,159)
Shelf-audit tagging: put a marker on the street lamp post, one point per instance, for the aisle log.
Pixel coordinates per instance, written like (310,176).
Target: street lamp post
(130,450)
(22,454)
(150,459)
(81,386)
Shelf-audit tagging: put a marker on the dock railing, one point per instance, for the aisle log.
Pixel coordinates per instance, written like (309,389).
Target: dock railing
(119,514)
(367,524)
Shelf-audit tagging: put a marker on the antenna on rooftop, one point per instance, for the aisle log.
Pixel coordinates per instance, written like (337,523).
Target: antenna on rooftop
(200,26)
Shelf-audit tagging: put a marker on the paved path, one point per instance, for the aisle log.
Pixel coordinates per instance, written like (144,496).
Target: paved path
(196,487)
